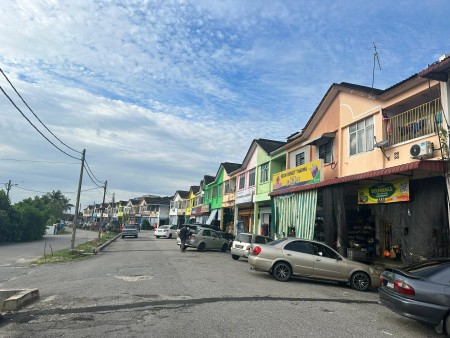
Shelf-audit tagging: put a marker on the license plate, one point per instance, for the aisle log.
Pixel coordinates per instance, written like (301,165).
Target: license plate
(239,246)
(390,285)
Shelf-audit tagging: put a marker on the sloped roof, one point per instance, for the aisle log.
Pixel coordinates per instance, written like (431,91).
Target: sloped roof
(208,179)
(182,193)
(230,167)
(194,188)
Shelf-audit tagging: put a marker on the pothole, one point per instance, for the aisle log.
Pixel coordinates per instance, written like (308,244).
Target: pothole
(134,278)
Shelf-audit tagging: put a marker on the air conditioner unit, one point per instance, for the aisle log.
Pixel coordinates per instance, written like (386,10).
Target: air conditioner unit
(421,150)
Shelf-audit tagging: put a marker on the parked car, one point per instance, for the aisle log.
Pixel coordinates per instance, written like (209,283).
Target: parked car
(241,246)
(137,225)
(129,230)
(192,228)
(228,236)
(288,257)
(168,231)
(205,239)
(419,291)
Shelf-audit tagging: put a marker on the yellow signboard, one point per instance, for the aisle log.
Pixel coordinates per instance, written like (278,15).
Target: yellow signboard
(386,192)
(305,174)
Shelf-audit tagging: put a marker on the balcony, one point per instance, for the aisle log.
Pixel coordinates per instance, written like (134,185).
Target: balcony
(419,121)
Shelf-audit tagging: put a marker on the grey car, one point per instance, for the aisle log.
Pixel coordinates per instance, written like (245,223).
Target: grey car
(206,239)
(419,291)
(130,230)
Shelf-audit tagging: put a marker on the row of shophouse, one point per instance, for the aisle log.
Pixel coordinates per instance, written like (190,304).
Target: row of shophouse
(368,173)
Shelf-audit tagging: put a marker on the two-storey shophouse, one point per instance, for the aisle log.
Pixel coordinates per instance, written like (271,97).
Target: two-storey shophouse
(373,180)
(213,196)
(190,202)
(177,212)
(244,213)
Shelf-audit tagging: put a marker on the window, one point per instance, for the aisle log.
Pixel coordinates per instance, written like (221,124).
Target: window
(264,171)
(241,181)
(299,246)
(219,190)
(361,136)
(226,187)
(299,159)
(325,152)
(251,178)
(321,250)
(214,192)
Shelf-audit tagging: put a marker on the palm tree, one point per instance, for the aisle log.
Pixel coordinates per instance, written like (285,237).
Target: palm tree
(57,203)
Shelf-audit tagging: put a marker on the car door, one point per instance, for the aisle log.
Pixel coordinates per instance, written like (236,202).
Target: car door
(328,264)
(300,254)
(216,242)
(205,236)
(173,230)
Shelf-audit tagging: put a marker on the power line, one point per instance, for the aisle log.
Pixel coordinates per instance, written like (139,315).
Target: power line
(79,152)
(12,102)
(36,161)
(62,192)
(90,170)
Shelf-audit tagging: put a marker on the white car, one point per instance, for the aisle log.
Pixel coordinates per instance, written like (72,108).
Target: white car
(168,231)
(242,244)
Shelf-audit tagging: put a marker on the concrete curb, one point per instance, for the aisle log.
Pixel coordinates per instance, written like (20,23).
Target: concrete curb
(13,300)
(100,247)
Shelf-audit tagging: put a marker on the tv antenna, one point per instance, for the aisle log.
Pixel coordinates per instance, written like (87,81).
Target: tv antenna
(375,57)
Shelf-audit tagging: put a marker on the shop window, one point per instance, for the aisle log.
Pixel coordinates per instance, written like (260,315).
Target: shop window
(264,173)
(361,136)
(241,181)
(299,159)
(251,177)
(326,152)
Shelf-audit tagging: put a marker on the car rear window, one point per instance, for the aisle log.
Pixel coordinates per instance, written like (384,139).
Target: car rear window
(426,269)
(246,238)
(277,241)
(130,227)
(163,227)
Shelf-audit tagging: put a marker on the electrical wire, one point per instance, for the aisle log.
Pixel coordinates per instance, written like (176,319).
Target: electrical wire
(26,104)
(87,165)
(63,192)
(87,172)
(12,102)
(36,161)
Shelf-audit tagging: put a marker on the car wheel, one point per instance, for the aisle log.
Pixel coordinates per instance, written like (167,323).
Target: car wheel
(235,257)
(201,247)
(224,248)
(282,271)
(360,281)
(170,236)
(157,236)
(123,236)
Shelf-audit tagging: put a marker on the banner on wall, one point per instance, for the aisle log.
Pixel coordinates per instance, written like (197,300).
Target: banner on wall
(305,174)
(386,192)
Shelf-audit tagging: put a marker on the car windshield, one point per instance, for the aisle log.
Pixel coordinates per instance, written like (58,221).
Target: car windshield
(246,238)
(163,227)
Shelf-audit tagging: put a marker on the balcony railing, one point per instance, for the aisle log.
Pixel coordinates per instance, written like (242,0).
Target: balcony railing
(422,120)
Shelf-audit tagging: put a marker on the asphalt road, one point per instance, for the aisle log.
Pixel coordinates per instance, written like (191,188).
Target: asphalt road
(146,287)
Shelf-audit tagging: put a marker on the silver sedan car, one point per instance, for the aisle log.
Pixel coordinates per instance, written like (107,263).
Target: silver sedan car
(288,257)
(206,239)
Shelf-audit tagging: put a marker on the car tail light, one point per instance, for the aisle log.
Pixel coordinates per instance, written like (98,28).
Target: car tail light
(404,288)
(256,250)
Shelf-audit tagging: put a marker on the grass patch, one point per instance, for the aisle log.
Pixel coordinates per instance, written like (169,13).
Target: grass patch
(81,251)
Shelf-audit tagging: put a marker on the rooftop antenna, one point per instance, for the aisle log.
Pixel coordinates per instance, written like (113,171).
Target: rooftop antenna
(375,57)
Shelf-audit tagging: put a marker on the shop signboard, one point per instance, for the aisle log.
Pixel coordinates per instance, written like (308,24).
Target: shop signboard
(304,174)
(385,192)
(245,195)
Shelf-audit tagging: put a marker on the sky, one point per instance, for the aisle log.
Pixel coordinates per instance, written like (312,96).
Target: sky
(160,93)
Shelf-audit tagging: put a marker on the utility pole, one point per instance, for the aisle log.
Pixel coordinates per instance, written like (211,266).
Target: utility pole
(75,219)
(101,210)
(8,187)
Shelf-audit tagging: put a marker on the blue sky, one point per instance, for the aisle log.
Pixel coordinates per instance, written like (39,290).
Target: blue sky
(159,93)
